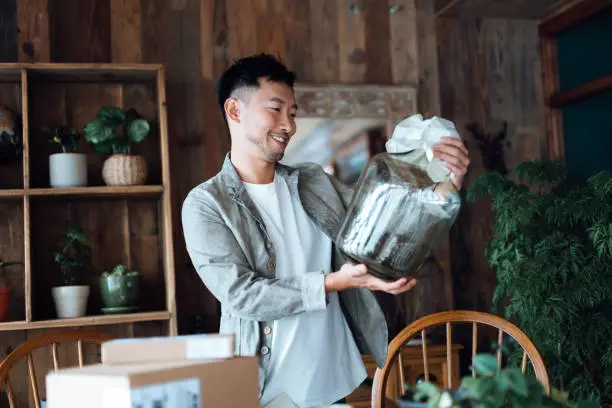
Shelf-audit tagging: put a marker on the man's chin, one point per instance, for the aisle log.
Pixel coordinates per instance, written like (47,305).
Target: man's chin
(275,158)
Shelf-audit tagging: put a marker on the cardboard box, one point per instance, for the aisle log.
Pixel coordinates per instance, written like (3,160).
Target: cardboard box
(229,383)
(175,348)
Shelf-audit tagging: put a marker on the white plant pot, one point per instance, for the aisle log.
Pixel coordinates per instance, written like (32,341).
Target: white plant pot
(70,301)
(68,170)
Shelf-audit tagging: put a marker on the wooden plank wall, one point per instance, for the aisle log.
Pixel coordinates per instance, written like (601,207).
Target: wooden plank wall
(489,73)
(324,41)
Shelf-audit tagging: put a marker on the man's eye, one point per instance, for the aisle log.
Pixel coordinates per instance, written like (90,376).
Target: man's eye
(276,109)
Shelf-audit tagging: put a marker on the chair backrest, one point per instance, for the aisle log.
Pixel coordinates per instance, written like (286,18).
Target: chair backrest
(50,339)
(420,326)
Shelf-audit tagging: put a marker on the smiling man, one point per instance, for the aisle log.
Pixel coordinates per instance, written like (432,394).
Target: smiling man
(260,236)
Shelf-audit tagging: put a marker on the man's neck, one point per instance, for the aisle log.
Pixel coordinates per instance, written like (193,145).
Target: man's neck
(253,171)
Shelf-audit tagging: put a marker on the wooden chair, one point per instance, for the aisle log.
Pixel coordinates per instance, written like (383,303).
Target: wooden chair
(421,325)
(52,339)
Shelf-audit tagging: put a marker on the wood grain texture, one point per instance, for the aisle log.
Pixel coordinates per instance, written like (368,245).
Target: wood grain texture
(376,27)
(79,30)
(428,71)
(456,316)
(352,55)
(126,33)
(11,238)
(489,73)
(33,23)
(8,31)
(324,42)
(405,42)
(511,9)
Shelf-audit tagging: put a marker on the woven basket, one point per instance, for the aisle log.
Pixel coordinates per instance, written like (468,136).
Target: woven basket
(124,170)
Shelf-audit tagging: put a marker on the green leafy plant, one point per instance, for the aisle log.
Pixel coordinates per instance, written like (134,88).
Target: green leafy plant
(552,249)
(75,257)
(115,130)
(64,136)
(493,388)
(121,270)
(5,264)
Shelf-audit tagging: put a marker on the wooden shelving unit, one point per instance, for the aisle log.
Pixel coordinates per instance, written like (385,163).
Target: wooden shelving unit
(130,225)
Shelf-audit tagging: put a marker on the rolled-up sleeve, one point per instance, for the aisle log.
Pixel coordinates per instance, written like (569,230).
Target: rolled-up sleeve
(219,260)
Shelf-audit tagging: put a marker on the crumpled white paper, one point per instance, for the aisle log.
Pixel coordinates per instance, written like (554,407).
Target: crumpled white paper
(417,136)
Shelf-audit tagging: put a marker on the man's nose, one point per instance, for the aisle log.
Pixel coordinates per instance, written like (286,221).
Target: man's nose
(287,126)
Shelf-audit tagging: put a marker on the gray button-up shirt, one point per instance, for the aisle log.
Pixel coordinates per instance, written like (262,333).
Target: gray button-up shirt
(231,251)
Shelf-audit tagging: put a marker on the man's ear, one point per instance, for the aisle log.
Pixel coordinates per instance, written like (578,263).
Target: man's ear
(232,109)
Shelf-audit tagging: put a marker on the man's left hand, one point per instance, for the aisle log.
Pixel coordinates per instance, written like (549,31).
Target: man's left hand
(453,152)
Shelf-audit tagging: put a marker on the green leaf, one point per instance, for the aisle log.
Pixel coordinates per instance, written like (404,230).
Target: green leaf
(112,115)
(485,364)
(99,130)
(107,147)
(138,129)
(518,382)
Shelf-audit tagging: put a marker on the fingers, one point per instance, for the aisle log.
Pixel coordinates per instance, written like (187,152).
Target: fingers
(391,287)
(396,287)
(456,142)
(454,154)
(356,270)
(405,288)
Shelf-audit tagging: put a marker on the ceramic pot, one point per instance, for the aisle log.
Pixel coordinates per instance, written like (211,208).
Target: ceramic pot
(68,170)
(119,291)
(70,301)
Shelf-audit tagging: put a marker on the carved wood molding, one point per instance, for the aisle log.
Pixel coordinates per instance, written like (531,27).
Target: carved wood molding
(345,101)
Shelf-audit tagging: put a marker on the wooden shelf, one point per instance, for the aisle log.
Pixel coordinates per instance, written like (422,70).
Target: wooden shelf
(13,193)
(561,99)
(101,191)
(97,320)
(570,14)
(80,72)
(136,233)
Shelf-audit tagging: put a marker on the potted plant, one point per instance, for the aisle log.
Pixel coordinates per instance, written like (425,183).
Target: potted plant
(67,168)
(552,250)
(488,388)
(119,289)
(5,289)
(74,259)
(114,131)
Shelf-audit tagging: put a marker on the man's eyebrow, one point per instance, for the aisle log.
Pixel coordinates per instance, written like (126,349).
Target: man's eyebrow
(282,101)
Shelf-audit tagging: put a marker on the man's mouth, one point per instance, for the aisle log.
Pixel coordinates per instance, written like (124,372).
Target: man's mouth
(284,139)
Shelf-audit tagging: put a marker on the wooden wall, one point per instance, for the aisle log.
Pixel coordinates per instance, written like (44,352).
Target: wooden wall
(324,41)
(489,74)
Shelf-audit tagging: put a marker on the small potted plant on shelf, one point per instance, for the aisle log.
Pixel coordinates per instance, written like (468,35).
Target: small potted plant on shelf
(489,388)
(74,259)
(119,290)
(67,168)
(114,131)
(5,289)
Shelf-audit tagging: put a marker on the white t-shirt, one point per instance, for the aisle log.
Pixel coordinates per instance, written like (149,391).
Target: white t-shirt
(314,358)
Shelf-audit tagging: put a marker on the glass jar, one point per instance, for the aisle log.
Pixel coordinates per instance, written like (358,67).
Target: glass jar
(397,217)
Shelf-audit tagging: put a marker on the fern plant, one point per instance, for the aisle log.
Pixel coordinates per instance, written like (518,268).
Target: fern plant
(552,249)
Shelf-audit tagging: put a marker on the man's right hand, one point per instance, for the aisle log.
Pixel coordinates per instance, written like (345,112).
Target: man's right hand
(357,276)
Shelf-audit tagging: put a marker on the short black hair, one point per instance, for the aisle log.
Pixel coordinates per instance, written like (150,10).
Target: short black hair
(247,71)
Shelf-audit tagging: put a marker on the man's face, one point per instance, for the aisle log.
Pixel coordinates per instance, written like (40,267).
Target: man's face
(267,121)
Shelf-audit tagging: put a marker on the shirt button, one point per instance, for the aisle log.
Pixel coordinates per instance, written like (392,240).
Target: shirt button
(265,350)
(271,265)
(267,330)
